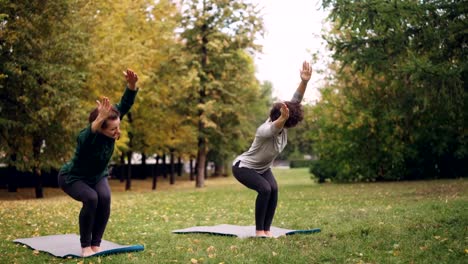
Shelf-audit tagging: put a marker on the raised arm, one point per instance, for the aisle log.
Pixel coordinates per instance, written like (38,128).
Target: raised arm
(305,73)
(128,97)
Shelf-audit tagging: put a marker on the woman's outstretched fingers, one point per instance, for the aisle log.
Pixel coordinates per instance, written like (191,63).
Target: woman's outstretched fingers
(132,78)
(284,111)
(306,71)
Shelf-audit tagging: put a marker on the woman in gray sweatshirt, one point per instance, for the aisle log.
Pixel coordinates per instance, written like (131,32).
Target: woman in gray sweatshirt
(252,168)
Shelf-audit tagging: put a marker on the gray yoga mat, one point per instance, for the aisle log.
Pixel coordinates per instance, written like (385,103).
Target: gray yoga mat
(242,231)
(68,245)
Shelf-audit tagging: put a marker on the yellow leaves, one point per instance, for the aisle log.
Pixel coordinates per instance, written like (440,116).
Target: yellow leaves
(131,256)
(195,261)
(36,252)
(211,252)
(210,249)
(165,218)
(396,250)
(234,248)
(441,239)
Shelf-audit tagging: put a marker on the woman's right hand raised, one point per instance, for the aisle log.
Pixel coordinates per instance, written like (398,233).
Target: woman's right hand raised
(104,107)
(284,112)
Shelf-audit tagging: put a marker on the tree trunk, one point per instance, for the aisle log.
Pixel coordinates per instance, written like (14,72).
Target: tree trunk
(179,171)
(201,162)
(144,168)
(164,166)
(172,169)
(38,189)
(191,170)
(37,143)
(201,155)
(122,167)
(155,174)
(12,175)
(128,183)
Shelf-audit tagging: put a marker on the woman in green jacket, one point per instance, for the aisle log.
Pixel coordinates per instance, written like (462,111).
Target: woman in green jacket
(84,178)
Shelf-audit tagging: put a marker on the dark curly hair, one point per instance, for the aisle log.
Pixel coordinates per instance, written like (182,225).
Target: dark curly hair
(296,114)
(113,116)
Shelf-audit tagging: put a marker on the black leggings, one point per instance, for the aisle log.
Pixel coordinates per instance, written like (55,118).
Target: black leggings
(95,211)
(267,198)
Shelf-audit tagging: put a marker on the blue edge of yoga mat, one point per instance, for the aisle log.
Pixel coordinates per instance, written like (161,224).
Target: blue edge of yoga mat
(67,245)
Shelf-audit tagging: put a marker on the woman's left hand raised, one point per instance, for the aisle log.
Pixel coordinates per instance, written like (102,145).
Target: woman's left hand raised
(306,71)
(132,79)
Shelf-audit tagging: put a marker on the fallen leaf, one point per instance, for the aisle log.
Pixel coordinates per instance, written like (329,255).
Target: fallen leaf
(193,261)
(210,249)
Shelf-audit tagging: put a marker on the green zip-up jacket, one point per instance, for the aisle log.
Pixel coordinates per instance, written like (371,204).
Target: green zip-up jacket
(94,150)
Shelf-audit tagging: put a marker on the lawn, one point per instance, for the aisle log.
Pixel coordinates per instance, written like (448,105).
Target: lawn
(402,222)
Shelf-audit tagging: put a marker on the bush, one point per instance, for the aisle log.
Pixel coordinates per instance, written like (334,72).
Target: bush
(320,171)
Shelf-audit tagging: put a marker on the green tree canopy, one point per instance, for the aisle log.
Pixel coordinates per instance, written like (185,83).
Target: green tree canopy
(40,79)
(396,108)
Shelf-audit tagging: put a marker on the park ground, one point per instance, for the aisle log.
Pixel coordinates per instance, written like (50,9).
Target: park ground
(390,222)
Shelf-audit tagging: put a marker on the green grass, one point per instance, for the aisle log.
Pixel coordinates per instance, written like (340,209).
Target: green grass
(405,222)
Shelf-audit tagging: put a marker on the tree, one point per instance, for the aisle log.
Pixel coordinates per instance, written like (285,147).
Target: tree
(40,79)
(216,35)
(139,35)
(236,119)
(396,108)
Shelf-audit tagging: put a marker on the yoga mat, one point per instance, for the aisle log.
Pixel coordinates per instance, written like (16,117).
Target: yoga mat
(242,231)
(68,245)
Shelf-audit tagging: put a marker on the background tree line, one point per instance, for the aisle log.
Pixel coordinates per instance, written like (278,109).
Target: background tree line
(393,107)
(199,95)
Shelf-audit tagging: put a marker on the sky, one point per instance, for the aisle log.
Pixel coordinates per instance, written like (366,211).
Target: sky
(293,33)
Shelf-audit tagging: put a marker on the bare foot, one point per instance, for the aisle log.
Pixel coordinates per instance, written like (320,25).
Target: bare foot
(86,252)
(260,233)
(268,234)
(96,249)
